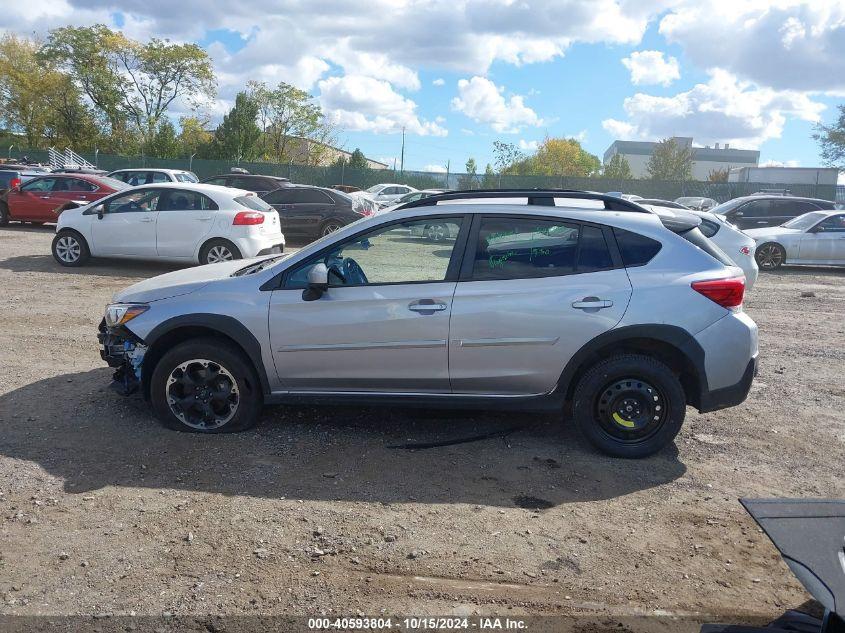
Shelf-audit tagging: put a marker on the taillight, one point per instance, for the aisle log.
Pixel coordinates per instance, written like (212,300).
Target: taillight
(248,218)
(14,182)
(362,208)
(728,293)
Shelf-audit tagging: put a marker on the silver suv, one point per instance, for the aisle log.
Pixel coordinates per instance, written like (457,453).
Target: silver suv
(597,305)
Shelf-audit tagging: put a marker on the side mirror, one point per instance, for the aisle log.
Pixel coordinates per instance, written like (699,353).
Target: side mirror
(738,214)
(318,282)
(817,229)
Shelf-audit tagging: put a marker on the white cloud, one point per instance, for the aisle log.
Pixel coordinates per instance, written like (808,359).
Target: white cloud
(481,100)
(436,169)
(652,67)
(722,110)
(438,82)
(364,104)
(530,146)
(784,44)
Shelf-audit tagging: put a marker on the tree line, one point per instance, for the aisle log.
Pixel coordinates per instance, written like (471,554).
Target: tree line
(95,88)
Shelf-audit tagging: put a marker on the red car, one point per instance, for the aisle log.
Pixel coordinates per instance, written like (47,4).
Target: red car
(40,199)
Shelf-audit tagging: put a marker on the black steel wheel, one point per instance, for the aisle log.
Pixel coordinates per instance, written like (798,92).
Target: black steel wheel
(629,405)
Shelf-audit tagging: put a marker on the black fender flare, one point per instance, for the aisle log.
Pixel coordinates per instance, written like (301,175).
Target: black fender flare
(671,335)
(225,325)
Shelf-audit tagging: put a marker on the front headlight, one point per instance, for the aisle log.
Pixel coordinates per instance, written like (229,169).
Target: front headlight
(122,313)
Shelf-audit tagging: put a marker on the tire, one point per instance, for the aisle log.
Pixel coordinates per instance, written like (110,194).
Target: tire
(629,405)
(436,232)
(329,227)
(770,256)
(4,214)
(219,250)
(228,402)
(70,248)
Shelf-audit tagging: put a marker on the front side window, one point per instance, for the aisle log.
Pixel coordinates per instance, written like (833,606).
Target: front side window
(833,224)
(187,201)
(134,202)
(221,181)
(402,252)
(756,209)
(39,184)
(518,248)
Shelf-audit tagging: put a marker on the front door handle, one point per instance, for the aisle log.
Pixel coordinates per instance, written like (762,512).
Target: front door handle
(44,197)
(146,219)
(592,303)
(204,219)
(427,306)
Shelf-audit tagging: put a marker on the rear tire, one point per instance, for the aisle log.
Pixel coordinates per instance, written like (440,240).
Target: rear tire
(70,248)
(206,385)
(4,214)
(330,227)
(219,250)
(629,405)
(770,256)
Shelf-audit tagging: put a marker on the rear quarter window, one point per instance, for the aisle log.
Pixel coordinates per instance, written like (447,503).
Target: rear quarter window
(636,249)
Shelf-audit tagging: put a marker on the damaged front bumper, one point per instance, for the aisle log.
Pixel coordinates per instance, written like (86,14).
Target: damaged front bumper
(124,351)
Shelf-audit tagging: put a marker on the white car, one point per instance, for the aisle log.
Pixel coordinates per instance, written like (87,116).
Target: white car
(738,246)
(815,238)
(385,194)
(189,223)
(142,176)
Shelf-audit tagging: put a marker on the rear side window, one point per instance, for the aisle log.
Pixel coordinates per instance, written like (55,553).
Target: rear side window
(309,196)
(708,228)
(636,249)
(520,248)
(253,202)
(178,200)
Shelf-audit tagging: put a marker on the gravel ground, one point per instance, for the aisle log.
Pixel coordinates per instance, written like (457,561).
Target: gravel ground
(316,511)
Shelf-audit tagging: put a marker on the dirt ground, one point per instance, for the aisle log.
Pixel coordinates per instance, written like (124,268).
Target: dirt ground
(317,512)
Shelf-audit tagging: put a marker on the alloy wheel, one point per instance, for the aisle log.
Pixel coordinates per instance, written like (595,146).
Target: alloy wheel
(217,254)
(769,256)
(68,249)
(331,227)
(630,409)
(202,394)
(436,232)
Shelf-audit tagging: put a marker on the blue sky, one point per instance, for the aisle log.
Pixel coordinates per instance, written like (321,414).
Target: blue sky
(460,74)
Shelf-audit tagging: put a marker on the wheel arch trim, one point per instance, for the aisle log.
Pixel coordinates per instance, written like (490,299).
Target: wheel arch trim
(226,326)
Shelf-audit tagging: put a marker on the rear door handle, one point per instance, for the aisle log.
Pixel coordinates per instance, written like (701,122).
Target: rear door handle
(592,303)
(204,219)
(44,197)
(427,306)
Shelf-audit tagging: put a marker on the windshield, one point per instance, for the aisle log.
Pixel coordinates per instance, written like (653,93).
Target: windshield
(806,221)
(187,176)
(374,189)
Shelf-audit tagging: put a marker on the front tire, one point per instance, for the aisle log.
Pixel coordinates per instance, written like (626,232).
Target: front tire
(436,232)
(770,256)
(205,386)
(216,251)
(629,405)
(70,249)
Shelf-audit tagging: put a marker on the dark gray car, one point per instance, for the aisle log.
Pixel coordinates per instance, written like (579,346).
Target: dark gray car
(311,212)
(755,212)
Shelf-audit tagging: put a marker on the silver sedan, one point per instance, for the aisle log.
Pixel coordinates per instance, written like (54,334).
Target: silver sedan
(815,238)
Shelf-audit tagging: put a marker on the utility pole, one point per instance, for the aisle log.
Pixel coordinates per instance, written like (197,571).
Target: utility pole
(448,163)
(402,159)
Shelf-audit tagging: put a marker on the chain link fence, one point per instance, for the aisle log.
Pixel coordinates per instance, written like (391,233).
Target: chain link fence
(364,178)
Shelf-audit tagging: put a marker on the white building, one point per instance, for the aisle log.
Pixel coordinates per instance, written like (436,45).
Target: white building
(705,159)
(785,175)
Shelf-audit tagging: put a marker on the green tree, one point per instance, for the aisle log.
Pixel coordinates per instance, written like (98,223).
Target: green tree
(194,137)
(489,181)
(470,179)
(236,137)
(618,167)
(670,161)
(557,157)
(164,144)
(132,83)
(831,138)
(286,115)
(505,155)
(357,160)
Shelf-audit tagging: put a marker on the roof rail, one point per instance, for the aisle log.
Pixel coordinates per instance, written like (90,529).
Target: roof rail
(540,197)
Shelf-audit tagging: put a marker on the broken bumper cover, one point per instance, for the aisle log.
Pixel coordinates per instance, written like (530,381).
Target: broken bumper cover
(124,351)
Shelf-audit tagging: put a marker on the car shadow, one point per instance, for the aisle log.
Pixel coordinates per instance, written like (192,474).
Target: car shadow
(99,267)
(77,429)
(804,271)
